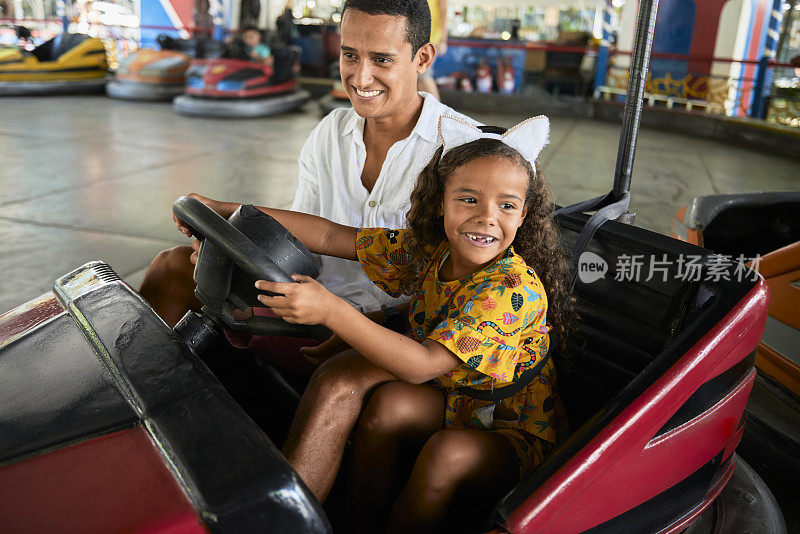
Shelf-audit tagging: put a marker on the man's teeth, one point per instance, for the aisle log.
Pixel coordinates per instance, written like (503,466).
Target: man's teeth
(367,94)
(480,238)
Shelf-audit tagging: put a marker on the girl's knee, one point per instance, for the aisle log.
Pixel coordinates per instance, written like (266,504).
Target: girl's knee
(388,409)
(451,456)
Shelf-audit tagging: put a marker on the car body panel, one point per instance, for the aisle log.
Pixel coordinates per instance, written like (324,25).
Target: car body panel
(102,365)
(85,61)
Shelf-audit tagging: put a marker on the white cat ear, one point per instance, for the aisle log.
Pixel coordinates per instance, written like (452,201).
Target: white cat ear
(456,132)
(529,137)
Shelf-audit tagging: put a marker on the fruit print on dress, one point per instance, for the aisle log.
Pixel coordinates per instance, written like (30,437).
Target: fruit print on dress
(468,344)
(398,257)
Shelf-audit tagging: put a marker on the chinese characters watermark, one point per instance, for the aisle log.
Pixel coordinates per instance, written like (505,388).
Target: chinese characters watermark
(685,267)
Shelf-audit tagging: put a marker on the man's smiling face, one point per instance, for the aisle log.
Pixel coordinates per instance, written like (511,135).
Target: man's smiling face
(378,70)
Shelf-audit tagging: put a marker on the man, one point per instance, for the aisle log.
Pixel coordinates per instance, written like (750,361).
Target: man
(358,168)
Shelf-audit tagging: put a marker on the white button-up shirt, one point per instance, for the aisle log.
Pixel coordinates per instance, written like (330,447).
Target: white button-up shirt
(331,163)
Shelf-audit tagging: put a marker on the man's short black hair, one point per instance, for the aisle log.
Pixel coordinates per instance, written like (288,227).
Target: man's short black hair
(416,12)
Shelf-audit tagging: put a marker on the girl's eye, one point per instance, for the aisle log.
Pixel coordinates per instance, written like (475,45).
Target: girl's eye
(507,206)
(468,200)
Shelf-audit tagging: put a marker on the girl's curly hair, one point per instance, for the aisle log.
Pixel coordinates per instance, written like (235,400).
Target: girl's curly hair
(537,240)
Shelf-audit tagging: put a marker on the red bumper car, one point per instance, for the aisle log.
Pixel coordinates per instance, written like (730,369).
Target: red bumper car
(239,88)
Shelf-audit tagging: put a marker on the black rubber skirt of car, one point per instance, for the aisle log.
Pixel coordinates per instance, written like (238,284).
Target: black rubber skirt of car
(129,90)
(745,506)
(328,103)
(240,108)
(95,85)
(771,437)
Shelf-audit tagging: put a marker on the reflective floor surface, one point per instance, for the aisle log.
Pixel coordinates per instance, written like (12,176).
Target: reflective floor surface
(88,177)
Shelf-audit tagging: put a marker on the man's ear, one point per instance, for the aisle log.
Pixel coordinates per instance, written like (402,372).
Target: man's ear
(424,57)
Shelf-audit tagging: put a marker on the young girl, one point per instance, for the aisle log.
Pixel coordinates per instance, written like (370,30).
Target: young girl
(481,261)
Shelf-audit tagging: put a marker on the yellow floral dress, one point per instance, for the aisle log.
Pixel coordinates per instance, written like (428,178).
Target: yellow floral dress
(495,321)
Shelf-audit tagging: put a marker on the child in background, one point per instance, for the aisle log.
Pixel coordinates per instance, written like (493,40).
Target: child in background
(256,50)
(482,262)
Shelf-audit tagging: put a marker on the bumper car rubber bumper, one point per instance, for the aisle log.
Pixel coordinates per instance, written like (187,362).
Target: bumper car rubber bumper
(131,90)
(25,88)
(240,108)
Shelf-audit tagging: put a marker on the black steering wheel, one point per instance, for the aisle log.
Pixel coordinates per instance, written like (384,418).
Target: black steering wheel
(234,253)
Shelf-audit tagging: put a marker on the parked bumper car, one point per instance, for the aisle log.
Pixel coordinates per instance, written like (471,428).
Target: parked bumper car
(150,75)
(69,62)
(160,74)
(240,88)
(764,227)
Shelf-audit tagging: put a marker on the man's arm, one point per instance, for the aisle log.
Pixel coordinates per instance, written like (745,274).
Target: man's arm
(319,235)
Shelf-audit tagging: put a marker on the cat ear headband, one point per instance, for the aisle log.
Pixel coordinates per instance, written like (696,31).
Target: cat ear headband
(528,137)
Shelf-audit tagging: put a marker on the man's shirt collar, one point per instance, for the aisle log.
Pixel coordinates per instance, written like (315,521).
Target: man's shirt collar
(427,125)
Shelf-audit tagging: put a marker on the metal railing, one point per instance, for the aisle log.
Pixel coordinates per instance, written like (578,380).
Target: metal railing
(732,94)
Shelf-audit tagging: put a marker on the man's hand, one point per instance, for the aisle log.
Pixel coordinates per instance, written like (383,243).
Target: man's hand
(196,248)
(330,347)
(306,302)
(224,209)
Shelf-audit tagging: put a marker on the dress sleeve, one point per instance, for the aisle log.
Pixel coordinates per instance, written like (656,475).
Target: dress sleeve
(381,254)
(490,325)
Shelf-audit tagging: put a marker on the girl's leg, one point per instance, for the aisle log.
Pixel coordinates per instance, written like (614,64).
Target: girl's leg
(451,460)
(397,414)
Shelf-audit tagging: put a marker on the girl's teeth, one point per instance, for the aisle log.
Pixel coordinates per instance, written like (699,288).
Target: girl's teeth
(367,94)
(480,239)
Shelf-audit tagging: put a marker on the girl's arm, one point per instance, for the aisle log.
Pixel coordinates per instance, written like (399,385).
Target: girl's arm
(319,235)
(310,303)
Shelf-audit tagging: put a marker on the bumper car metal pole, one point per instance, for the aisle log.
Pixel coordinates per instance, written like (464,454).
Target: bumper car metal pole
(637,79)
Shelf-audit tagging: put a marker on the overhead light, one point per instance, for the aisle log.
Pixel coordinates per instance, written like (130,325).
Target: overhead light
(505,36)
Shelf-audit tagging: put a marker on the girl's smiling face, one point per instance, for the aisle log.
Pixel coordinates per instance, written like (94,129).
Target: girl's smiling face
(483,206)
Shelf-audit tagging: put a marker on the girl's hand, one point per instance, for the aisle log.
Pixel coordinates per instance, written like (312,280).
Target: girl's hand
(307,302)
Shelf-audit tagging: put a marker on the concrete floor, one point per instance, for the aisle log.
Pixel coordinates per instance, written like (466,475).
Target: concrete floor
(88,177)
